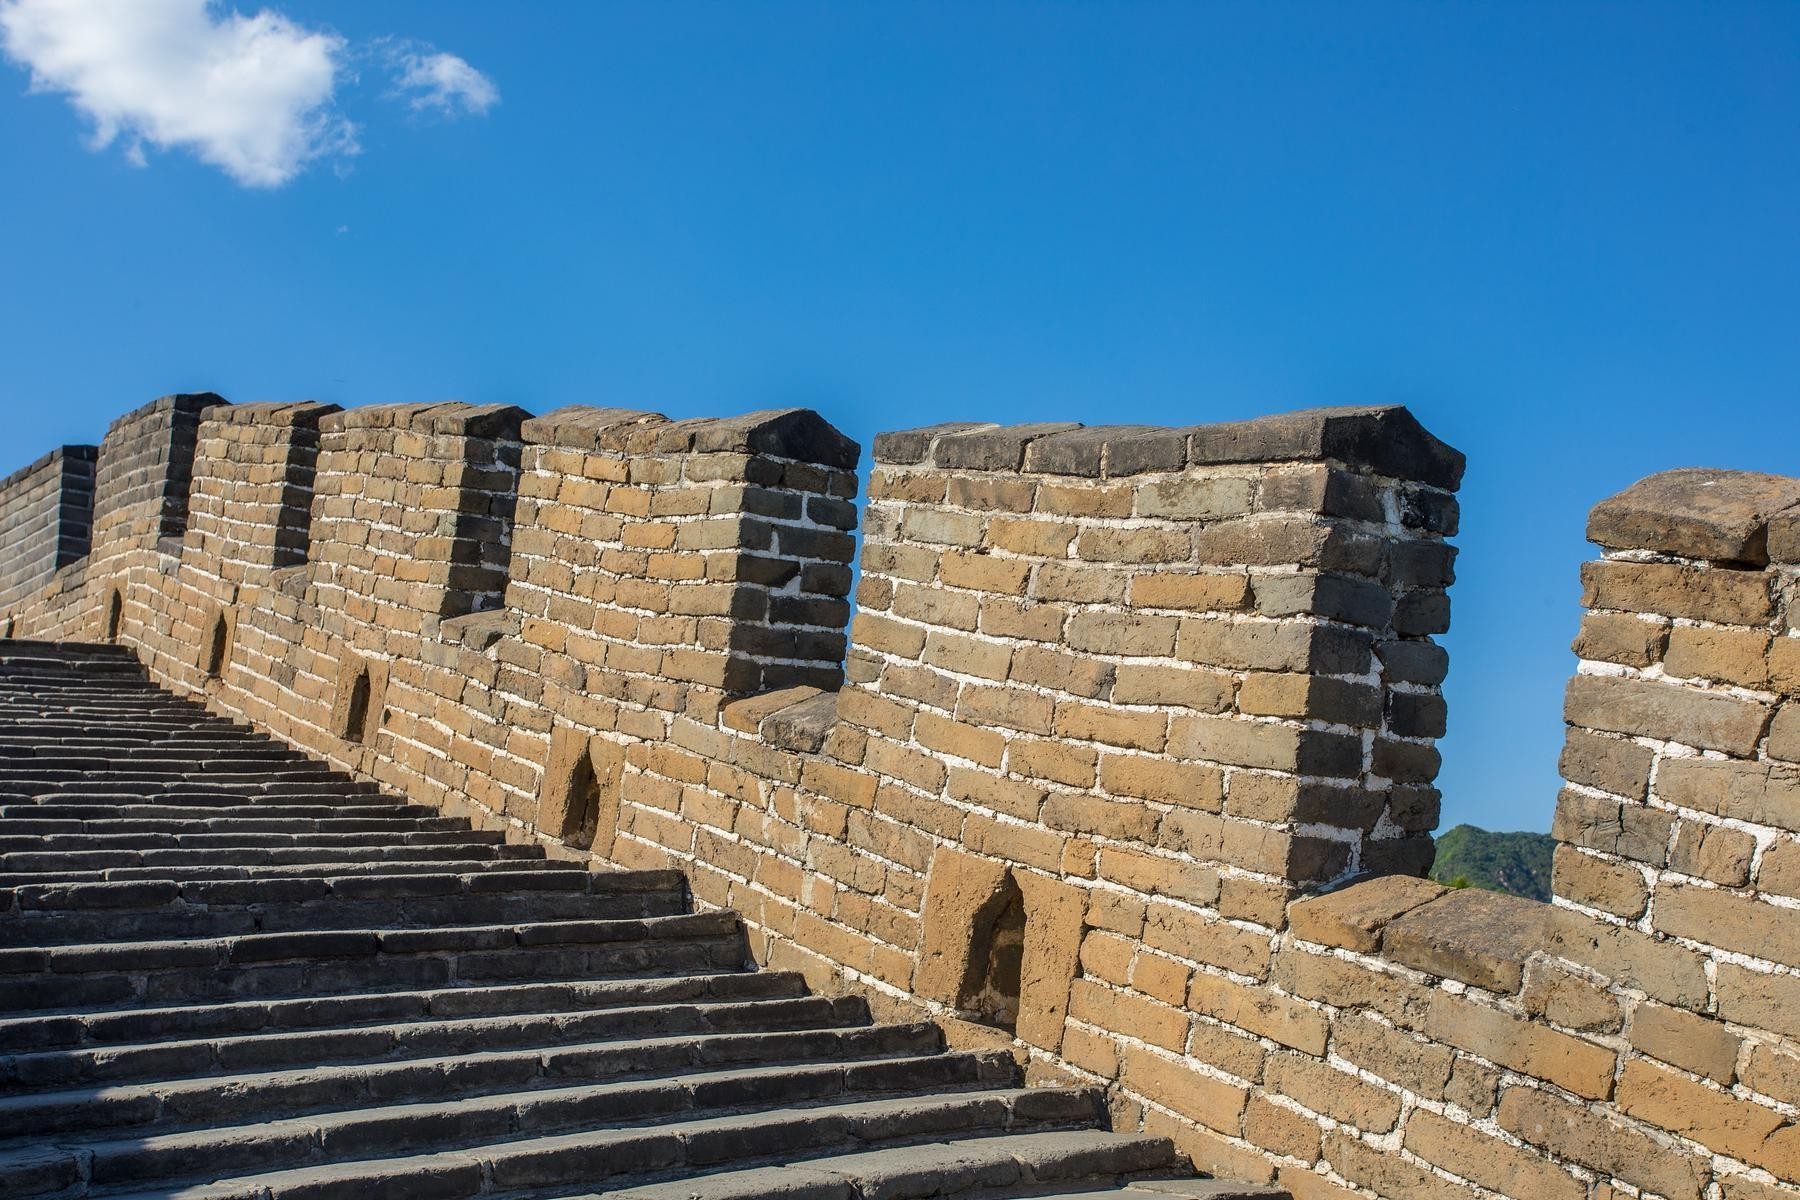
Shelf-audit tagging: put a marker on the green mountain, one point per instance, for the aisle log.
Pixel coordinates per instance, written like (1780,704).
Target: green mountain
(1501,862)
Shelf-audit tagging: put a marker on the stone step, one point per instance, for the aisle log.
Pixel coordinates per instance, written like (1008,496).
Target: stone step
(62,914)
(1043,1164)
(193,872)
(51,810)
(315,963)
(171,1104)
(56,843)
(601,1137)
(52,862)
(120,1028)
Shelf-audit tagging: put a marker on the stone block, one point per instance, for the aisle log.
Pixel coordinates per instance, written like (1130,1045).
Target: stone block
(1476,936)
(1647,708)
(1356,916)
(1721,516)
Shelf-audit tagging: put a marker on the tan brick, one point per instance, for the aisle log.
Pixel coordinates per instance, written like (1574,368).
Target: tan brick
(1784,733)
(955,738)
(1611,764)
(1331,1092)
(1393,1054)
(1646,708)
(1110,544)
(1738,656)
(1190,785)
(1052,760)
(1715,1119)
(1130,634)
(1279,1018)
(1779,872)
(1196,497)
(1731,922)
(1047,667)
(1211,1102)
(1204,592)
(1728,596)
(1759,999)
(1127,728)
(1159,875)
(1190,935)
(1590,1138)
(1184,687)
(1568,1062)
(1620,638)
(1597,883)
(1488,1161)
(1129,1014)
(1004,617)
(984,572)
(1040,539)
(1760,793)
(1073,812)
(1084,500)
(1281,1130)
(1714,852)
(1570,1001)
(1078,584)
(1696,1043)
(1773,1072)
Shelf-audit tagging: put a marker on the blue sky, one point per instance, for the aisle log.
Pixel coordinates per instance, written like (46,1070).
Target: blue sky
(1566,235)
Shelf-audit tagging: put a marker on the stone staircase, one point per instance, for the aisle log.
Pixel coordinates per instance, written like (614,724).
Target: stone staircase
(227,971)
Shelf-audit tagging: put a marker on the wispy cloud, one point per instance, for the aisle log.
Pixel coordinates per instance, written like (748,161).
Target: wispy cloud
(254,95)
(430,79)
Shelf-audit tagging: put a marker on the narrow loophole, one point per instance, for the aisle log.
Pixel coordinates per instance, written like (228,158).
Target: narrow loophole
(218,647)
(581,821)
(990,992)
(356,713)
(115,615)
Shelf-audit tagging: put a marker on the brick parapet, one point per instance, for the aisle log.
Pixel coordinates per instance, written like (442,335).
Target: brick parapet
(657,686)
(46,520)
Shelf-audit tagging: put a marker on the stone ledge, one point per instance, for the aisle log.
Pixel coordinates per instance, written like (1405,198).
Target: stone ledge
(1387,440)
(450,417)
(1720,516)
(299,414)
(792,433)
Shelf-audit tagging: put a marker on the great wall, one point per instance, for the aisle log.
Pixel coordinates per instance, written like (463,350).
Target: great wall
(1122,780)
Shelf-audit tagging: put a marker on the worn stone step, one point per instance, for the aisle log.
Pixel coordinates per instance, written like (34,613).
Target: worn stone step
(313,963)
(117,1028)
(518,858)
(197,1058)
(89,813)
(84,842)
(61,914)
(172,1104)
(604,1153)
(94,860)
(1041,1164)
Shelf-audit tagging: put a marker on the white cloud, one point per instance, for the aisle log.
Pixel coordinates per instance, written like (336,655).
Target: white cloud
(252,95)
(430,79)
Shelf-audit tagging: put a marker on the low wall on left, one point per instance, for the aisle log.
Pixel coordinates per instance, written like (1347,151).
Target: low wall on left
(46,520)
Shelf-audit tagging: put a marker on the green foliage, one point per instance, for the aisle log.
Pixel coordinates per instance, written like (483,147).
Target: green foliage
(1501,862)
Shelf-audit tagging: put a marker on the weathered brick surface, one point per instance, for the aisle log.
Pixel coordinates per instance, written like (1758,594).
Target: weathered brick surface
(1126,708)
(46,521)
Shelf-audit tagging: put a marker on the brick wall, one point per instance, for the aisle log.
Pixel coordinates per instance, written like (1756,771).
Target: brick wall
(46,521)
(1128,763)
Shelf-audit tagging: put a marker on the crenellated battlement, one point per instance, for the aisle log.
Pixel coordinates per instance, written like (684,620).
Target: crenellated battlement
(1125,758)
